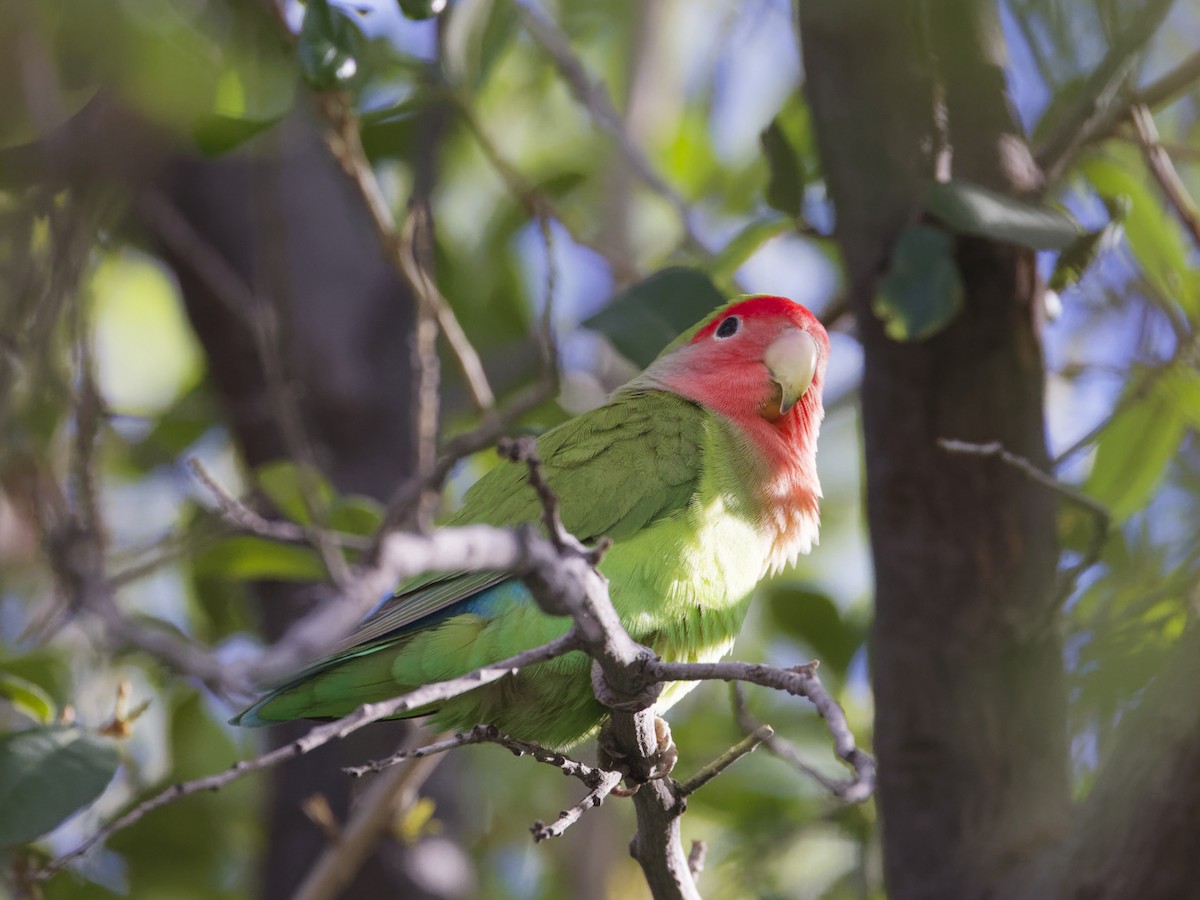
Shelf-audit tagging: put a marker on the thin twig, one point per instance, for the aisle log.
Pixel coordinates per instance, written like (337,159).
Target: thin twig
(241,516)
(595,99)
(1098,106)
(802,681)
(323,734)
(746,745)
(568,817)
(538,203)
(778,746)
(696,857)
(487,734)
(260,319)
(524,449)
(1164,173)
(345,143)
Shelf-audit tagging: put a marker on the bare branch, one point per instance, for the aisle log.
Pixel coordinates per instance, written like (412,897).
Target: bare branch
(568,817)
(1098,106)
(536,202)
(261,321)
(746,745)
(524,450)
(1164,173)
(801,681)
(323,734)
(1170,85)
(595,99)
(488,734)
(242,517)
(777,745)
(345,143)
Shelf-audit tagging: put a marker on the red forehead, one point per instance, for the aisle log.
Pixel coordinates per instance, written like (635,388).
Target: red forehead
(763,306)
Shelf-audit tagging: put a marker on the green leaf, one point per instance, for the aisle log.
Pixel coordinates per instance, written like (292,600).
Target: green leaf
(330,46)
(281,482)
(1079,256)
(1134,450)
(922,291)
(966,208)
(421,9)
(46,774)
(1154,235)
(356,515)
(744,244)
(27,698)
(814,619)
(246,558)
(785,183)
(475,38)
(647,316)
(216,134)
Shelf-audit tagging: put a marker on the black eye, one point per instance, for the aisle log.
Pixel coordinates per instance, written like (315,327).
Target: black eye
(728,328)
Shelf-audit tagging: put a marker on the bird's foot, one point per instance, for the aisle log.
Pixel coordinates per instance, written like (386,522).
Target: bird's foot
(662,762)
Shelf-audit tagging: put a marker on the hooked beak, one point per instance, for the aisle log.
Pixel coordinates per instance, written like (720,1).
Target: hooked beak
(792,361)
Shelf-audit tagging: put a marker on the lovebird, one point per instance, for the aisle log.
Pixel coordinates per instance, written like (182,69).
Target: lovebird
(702,471)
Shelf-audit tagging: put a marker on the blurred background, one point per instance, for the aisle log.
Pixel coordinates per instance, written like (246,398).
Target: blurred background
(183,260)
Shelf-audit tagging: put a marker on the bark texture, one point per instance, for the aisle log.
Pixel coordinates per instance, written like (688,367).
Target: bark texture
(966,659)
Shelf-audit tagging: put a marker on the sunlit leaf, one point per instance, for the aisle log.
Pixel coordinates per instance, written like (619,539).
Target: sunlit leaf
(966,208)
(813,618)
(46,774)
(245,558)
(475,37)
(785,183)
(744,244)
(923,290)
(27,698)
(356,515)
(216,134)
(284,483)
(421,9)
(1154,235)
(647,316)
(1133,451)
(329,47)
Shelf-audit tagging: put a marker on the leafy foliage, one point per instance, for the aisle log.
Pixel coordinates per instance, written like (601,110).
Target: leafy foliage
(46,774)
(923,290)
(493,116)
(644,318)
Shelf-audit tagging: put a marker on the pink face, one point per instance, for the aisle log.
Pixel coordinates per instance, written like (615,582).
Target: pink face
(761,359)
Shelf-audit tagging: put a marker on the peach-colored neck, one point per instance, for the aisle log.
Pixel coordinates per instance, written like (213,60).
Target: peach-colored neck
(786,488)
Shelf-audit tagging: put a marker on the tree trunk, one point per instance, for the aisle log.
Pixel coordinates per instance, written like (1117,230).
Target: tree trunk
(966,658)
(289,224)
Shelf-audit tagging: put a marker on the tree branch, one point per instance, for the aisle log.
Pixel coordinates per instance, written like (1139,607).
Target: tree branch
(1099,108)
(593,96)
(323,734)
(1164,172)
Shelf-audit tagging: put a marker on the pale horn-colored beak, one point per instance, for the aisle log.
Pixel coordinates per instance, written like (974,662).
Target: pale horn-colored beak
(792,361)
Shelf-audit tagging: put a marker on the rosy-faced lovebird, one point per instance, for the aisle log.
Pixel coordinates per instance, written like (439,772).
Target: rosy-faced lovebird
(702,471)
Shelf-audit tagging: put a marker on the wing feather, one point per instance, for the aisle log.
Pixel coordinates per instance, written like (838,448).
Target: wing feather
(615,469)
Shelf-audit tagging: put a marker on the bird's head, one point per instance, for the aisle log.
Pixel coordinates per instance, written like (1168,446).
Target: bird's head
(759,361)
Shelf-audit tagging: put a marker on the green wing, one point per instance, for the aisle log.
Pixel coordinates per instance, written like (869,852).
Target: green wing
(615,470)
